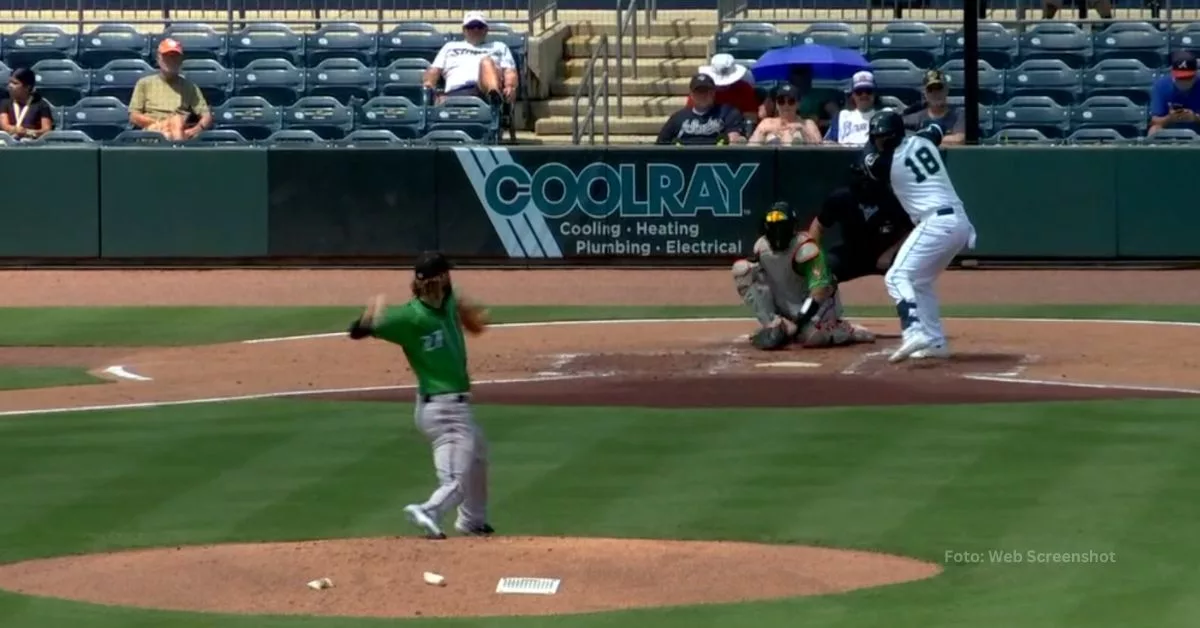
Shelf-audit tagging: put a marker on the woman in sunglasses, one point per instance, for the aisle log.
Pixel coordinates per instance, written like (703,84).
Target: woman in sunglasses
(849,128)
(786,126)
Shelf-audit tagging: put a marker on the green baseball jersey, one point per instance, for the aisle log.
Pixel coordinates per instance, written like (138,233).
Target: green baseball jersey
(433,342)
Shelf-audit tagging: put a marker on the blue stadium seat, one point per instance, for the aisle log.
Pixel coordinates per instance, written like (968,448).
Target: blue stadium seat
(393,113)
(371,137)
(891,102)
(1018,137)
(750,41)
(276,80)
(832,34)
(334,41)
(1098,136)
(69,137)
(118,78)
(997,45)
(199,41)
(341,78)
(5,73)
(138,137)
(1056,40)
(109,42)
(265,41)
(447,136)
(252,116)
(1112,112)
(410,39)
(101,117)
(1045,77)
(987,120)
(323,115)
(991,81)
(403,77)
(218,137)
(1186,38)
(1174,136)
(36,42)
(61,81)
(469,114)
(1131,40)
(898,77)
(1034,112)
(914,41)
(214,80)
(296,138)
(1119,77)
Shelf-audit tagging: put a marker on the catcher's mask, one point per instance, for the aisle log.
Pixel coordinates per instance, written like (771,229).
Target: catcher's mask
(779,226)
(431,278)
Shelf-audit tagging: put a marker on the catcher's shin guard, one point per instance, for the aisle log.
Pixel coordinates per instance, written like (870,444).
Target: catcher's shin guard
(754,291)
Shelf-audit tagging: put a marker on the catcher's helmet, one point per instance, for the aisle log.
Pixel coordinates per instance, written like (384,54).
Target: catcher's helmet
(889,125)
(779,226)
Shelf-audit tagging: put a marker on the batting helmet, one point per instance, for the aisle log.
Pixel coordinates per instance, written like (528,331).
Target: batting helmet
(889,125)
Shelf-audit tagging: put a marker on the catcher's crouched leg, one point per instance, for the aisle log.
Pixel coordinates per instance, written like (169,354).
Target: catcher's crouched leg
(776,332)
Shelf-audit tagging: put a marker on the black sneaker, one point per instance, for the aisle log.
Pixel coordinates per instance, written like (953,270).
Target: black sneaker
(480,530)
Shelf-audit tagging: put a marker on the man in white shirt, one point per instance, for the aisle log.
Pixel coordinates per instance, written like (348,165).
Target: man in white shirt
(474,66)
(849,127)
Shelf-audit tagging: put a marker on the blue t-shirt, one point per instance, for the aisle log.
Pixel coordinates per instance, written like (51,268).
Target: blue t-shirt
(1164,93)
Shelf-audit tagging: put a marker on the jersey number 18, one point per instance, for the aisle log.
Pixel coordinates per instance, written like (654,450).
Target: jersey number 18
(925,166)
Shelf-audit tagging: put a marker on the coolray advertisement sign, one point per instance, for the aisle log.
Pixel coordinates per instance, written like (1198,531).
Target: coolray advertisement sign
(628,203)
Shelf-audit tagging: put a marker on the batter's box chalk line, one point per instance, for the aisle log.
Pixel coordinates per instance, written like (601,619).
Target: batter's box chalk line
(1016,371)
(528,586)
(857,365)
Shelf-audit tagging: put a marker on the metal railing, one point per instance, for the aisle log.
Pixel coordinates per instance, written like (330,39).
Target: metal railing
(627,22)
(587,88)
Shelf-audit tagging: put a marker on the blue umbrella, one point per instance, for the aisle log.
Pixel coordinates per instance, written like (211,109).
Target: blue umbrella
(826,62)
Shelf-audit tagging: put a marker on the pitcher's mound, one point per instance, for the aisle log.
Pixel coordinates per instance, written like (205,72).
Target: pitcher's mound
(384,577)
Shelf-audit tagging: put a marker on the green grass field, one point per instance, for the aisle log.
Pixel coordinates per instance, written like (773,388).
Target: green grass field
(919,481)
(18,377)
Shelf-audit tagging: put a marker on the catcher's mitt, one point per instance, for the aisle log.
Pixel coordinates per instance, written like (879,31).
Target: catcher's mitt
(771,338)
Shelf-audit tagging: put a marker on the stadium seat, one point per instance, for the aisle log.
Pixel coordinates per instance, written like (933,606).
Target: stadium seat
(987,120)
(997,45)
(70,137)
(1186,38)
(393,113)
(1045,77)
(448,136)
(1131,40)
(465,113)
(891,102)
(410,39)
(61,81)
(8,140)
(1112,112)
(109,42)
(403,77)
(1056,40)
(323,115)
(750,41)
(118,78)
(276,80)
(200,41)
(296,137)
(1174,136)
(371,137)
(138,137)
(265,41)
(341,78)
(1018,136)
(832,34)
(1098,136)
(218,137)
(214,80)
(1119,77)
(101,117)
(340,41)
(991,81)
(252,116)
(1034,112)
(32,43)
(5,73)
(898,77)
(914,41)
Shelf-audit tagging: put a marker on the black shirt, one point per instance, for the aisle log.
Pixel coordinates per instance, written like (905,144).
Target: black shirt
(37,109)
(690,128)
(871,218)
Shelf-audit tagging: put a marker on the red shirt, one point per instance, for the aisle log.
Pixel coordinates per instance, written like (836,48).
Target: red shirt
(739,95)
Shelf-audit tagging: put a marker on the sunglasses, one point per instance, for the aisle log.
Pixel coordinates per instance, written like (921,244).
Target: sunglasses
(785,100)
(864,91)
(476,27)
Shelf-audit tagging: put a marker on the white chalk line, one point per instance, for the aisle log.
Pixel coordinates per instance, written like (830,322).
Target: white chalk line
(1046,382)
(124,373)
(862,360)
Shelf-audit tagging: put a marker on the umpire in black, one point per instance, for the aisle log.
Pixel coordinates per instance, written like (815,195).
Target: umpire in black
(873,226)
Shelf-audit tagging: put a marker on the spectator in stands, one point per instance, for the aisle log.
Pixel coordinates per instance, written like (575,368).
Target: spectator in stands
(849,127)
(167,102)
(1175,99)
(475,66)
(817,105)
(705,123)
(938,111)
(786,127)
(735,85)
(25,115)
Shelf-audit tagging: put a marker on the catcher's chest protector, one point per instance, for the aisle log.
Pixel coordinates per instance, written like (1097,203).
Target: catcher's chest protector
(788,289)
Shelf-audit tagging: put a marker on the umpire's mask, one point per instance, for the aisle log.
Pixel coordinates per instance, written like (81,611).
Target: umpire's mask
(779,227)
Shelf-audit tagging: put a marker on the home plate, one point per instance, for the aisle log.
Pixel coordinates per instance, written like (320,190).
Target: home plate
(788,365)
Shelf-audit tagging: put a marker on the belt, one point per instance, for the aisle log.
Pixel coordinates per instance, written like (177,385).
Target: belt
(945,211)
(447,398)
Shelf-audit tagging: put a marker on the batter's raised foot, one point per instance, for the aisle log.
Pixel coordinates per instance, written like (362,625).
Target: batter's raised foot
(479,530)
(422,520)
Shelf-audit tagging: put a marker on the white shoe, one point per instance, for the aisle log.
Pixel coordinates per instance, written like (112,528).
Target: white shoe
(910,346)
(936,351)
(422,520)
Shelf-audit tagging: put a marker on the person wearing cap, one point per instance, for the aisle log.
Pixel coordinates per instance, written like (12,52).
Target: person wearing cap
(475,66)
(167,102)
(25,115)
(1174,99)
(849,126)
(938,111)
(704,122)
(735,85)
(786,126)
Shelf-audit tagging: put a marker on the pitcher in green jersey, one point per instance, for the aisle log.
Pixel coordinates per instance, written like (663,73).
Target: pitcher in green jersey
(429,328)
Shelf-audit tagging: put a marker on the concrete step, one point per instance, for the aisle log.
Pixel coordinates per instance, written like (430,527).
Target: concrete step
(632,87)
(656,106)
(646,67)
(661,47)
(705,28)
(587,139)
(629,125)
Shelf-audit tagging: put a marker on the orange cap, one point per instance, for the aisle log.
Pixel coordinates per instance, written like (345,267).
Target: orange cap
(170,46)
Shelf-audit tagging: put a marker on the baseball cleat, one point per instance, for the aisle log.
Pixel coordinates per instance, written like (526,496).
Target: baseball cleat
(910,346)
(936,351)
(479,530)
(422,520)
